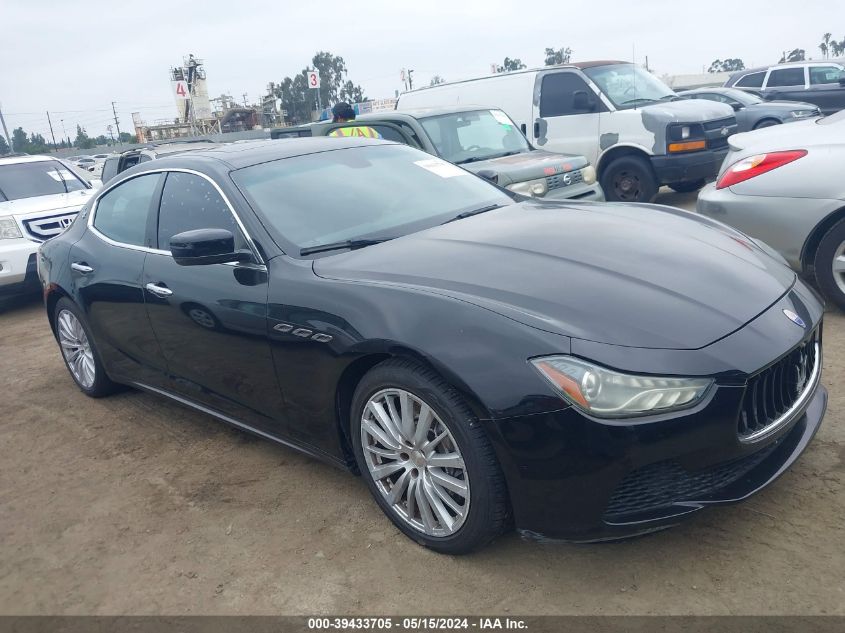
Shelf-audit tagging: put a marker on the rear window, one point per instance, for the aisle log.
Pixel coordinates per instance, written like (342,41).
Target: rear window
(42,178)
(754,80)
(786,77)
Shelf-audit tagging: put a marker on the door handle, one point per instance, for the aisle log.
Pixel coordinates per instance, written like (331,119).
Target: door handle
(537,129)
(159,291)
(82,267)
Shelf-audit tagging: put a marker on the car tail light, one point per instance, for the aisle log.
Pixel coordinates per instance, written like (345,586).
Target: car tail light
(755,165)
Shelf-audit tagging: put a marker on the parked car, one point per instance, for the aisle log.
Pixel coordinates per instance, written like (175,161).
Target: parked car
(753,112)
(784,187)
(84,162)
(118,163)
(39,197)
(483,140)
(819,83)
(631,126)
(582,371)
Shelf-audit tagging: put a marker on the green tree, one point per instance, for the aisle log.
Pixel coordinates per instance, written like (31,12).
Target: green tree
(726,65)
(824,47)
(837,48)
(510,65)
(19,140)
(332,71)
(102,139)
(82,140)
(559,56)
(126,137)
(4,146)
(795,55)
(437,79)
(352,93)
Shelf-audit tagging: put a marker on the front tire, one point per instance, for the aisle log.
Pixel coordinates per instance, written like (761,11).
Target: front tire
(766,123)
(79,351)
(629,179)
(426,460)
(830,264)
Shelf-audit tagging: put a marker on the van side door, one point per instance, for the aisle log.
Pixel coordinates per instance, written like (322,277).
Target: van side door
(567,114)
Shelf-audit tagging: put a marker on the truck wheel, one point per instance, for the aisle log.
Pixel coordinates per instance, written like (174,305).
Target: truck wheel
(629,179)
(830,264)
(687,187)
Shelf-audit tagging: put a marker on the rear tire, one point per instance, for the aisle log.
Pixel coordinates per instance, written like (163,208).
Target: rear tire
(830,264)
(766,123)
(688,187)
(79,350)
(629,179)
(408,473)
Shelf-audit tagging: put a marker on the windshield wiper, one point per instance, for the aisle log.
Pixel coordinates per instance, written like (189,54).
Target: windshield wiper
(336,246)
(59,174)
(475,159)
(638,99)
(468,214)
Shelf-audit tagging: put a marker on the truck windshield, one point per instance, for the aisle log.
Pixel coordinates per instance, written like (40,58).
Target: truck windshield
(467,137)
(628,85)
(32,179)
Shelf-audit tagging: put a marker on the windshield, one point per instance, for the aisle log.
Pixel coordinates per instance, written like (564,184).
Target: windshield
(745,98)
(465,137)
(628,85)
(42,178)
(370,192)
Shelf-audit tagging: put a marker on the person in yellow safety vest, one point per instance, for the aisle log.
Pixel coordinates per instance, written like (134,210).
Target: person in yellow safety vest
(343,112)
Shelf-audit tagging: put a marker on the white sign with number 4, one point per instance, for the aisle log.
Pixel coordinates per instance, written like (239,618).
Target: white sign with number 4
(313,79)
(180,89)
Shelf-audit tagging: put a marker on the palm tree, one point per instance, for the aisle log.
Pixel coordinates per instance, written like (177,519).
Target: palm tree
(837,48)
(824,47)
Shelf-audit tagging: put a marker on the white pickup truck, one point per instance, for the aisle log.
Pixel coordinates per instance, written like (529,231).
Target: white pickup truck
(39,198)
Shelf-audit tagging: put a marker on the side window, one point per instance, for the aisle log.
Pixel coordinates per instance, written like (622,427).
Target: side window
(786,77)
(824,75)
(191,202)
(109,169)
(754,80)
(122,213)
(557,94)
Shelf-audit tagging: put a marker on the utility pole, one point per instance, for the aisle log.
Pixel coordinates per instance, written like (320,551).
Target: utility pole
(55,147)
(9,140)
(245,105)
(116,122)
(410,79)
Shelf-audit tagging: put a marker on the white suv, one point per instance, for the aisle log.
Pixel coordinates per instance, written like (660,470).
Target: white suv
(39,198)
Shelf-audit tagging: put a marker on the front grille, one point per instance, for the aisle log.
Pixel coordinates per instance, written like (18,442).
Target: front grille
(770,393)
(717,132)
(49,226)
(560,180)
(662,484)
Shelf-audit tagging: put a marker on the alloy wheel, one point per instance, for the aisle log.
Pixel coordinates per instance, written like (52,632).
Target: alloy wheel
(839,267)
(415,462)
(76,348)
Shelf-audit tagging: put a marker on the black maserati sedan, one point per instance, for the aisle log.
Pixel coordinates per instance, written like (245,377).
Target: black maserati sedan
(577,371)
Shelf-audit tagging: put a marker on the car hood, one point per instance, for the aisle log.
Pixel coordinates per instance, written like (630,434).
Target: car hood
(528,165)
(40,204)
(633,275)
(687,110)
(798,135)
(785,105)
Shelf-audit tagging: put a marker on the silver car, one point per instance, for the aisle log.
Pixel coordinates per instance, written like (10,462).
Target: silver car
(752,112)
(783,185)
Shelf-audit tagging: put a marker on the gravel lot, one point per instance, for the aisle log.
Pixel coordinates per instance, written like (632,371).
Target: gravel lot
(133,505)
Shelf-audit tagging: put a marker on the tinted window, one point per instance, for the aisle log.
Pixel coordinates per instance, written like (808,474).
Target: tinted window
(190,202)
(370,191)
(109,169)
(32,179)
(558,92)
(122,213)
(754,80)
(824,74)
(786,77)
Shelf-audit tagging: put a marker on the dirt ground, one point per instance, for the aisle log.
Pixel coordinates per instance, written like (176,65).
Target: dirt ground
(134,505)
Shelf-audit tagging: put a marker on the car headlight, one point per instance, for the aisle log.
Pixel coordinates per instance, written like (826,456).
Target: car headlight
(588,175)
(9,228)
(605,393)
(537,188)
(802,114)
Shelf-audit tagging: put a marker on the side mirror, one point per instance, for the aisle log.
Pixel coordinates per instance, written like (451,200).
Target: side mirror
(842,80)
(489,174)
(736,106)
(582,101)
(205,246)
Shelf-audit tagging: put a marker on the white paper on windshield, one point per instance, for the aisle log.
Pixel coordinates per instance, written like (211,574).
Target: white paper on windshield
(501,117)
(60,174)
(441,168)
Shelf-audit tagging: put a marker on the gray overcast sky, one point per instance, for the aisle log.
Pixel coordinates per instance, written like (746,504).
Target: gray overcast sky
(74,58)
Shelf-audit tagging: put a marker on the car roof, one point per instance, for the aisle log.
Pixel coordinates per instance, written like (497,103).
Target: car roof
(12,160)
(807,62)
(241,155)
(421,113)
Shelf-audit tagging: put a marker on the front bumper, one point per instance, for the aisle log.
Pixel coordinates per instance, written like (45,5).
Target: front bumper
(576,478)
(592,193)
(17,266)
(688,167)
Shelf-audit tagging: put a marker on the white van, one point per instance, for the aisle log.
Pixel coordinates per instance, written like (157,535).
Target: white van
(627,123)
